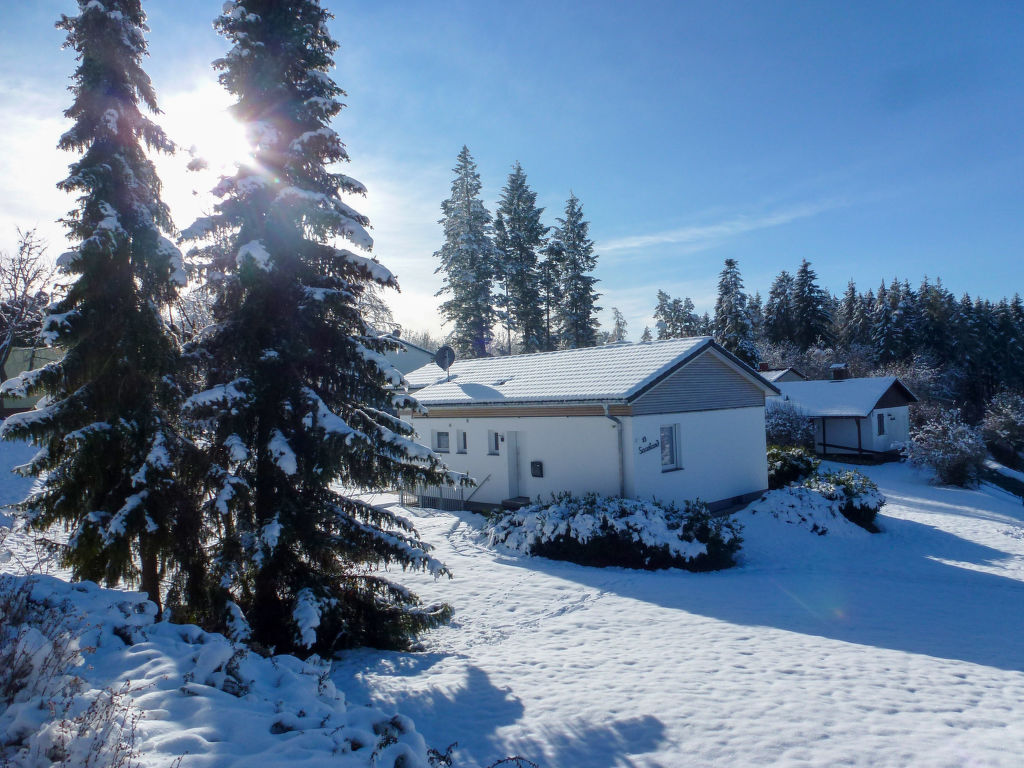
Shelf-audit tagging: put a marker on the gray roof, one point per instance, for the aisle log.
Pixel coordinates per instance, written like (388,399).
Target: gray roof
(609,373)
(845,397)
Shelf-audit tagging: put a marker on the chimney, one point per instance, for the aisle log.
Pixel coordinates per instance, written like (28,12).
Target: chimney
(762,367)
(840,371)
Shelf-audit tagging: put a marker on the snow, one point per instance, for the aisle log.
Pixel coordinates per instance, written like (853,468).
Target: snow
(1013,474)
(845,397)
(893,649)
(281,453)
(613,372)
(256,252)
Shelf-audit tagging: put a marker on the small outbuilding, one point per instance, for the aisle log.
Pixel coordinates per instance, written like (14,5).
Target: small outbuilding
(866,416)
(406,356)
(673,420)
(782,375)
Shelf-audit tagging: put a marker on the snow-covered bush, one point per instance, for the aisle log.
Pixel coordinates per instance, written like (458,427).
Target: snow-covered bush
(604,531)
(787,425)
(950,446)
(856,497)
(789,465)
(1003,428)
(822,502)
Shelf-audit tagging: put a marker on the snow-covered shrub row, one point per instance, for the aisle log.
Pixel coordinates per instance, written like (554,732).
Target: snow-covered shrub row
(66,694)
(789,465)
(825,503)
(787,425)
(950,446)
(603,531)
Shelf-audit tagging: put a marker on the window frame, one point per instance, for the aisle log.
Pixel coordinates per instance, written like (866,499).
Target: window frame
(447,440)
(493,442)
(672,430)
(461,441)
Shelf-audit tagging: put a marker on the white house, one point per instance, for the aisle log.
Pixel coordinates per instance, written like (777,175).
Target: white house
(673,420)
(863,416)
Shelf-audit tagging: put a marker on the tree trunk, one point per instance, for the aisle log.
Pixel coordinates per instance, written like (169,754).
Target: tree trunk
(150,571)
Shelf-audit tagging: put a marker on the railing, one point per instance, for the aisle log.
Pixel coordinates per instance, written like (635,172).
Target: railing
(444,497)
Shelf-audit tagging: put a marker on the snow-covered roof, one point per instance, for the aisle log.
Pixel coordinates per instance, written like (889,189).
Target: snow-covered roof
(609,373)
(774,376)
(846,397)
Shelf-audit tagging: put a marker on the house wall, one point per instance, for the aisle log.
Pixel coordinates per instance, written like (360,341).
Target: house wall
(897,428)
(24,359)
(579,453)
(723,455)
(707,382)
(843,432)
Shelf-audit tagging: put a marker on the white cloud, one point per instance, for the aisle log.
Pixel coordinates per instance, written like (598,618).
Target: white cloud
(701,237)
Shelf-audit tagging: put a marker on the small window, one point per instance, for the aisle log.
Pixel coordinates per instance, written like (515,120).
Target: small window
(493,443)
(441,442)
(669,449)
(881,424)
(460,442)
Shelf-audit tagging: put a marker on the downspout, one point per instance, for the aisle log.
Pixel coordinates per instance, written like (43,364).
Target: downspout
(622,458)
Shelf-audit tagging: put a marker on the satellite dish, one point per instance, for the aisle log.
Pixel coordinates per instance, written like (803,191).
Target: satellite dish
(444,357)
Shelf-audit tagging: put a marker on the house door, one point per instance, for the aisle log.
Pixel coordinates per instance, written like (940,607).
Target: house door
(512,451)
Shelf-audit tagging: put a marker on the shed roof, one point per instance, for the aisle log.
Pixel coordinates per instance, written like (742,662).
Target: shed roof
(775,375)
(609,373)
(845,397)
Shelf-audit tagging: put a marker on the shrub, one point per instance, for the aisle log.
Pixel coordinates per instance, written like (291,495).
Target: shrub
(789,465)
(950,446)
(602,531)
(787,425)
(1003,428)
(857,498)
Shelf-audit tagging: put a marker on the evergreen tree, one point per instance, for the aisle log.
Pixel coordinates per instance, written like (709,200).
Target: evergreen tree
(850,320)
(467,262)
(109,449)
(646,335)
(519,238)
(296,404)
(577,308)
(733,329)
(549,286)
(676,318)
(811,318)
(756,309)
(618,332)
(779,319)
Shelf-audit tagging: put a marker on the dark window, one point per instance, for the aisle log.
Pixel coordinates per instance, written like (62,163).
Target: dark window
(881,424)
(442,441)
(669,457)
(462,442)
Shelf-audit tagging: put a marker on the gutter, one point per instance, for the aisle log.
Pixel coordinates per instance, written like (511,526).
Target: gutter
(622,466)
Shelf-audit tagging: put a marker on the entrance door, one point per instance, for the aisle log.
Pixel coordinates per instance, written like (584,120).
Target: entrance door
(512,451)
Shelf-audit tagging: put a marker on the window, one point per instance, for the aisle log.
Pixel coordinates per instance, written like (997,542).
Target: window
(493,443)
(441,442)
(669,449)
(881,424)
(460,441)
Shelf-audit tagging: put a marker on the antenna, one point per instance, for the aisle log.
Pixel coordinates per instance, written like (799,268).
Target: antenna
(443,358)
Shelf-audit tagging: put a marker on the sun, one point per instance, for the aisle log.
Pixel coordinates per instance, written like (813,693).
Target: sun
(199,122)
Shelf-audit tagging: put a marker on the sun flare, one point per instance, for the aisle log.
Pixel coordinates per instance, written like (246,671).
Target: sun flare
(199,121)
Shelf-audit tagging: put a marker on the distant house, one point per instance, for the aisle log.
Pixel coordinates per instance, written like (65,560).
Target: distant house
(863,416)
(408,357)
(782,375)
(673,420)
(20,360)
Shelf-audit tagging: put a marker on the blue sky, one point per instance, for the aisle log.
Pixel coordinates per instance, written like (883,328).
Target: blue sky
(874,139)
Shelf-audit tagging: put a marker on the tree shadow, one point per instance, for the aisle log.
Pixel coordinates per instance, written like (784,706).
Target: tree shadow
(910,588)
(474,711)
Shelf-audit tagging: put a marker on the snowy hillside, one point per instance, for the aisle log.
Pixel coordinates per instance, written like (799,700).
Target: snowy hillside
(897,649)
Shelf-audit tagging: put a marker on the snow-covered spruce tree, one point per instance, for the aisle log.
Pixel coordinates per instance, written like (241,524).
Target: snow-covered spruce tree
(811,316)
(296,404)
(108,450)
(733,329)
(519,238)
(467,262)
(619,328)
(646,335)
(577,311)
(779,322)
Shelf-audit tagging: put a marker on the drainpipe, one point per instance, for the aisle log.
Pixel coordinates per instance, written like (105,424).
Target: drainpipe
(622,465)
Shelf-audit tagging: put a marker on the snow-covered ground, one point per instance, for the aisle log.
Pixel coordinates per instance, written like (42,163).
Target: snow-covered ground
(903,648)
(898,649)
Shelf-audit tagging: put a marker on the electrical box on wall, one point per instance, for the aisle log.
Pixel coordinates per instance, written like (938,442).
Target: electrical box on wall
(537,469)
